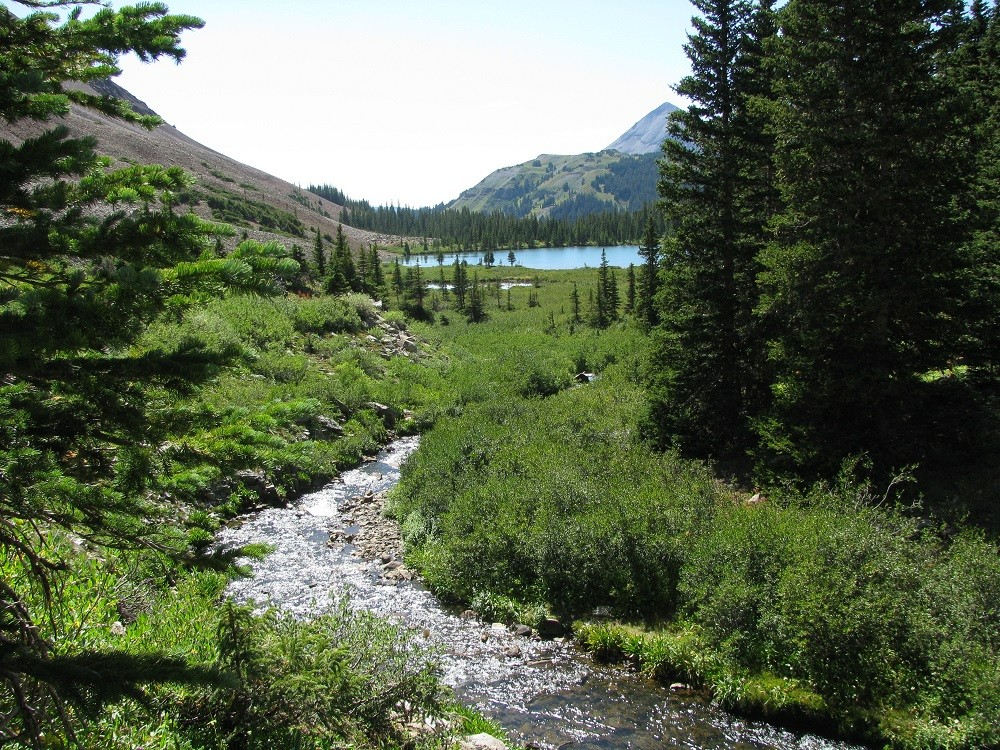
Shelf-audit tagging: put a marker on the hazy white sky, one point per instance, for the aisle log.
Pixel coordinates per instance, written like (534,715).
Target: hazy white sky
(411,102)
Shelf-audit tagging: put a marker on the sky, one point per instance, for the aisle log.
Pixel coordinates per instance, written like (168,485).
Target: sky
(409,102)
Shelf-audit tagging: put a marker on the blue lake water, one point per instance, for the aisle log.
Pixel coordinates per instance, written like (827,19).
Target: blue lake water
(542,258)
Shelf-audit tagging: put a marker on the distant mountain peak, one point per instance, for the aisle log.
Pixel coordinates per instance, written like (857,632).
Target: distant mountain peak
(647,135)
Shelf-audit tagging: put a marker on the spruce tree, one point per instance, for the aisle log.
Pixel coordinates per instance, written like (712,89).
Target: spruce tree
(476,309)
(347,275)
(973,69)
(397,280)
(89,256)
(377,277)
(706,366)
(630,289)
(319,256)
(649,279)
(461,282)
(414,292)
(859,283)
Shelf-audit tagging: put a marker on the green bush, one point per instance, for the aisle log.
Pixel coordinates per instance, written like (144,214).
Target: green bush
(342,677)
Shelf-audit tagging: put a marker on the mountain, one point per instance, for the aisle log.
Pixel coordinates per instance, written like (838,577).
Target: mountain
(563,187)
(264,206)
(621,177)
(647,135)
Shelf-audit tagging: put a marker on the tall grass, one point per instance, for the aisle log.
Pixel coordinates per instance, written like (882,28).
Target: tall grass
(816,606)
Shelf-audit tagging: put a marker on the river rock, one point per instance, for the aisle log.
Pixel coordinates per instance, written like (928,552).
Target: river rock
(550,627)
(523,630)
(258,483)
(322,427)
(387,414)
(481,741)
(498,627)
(513,652)
(469,614)
(680,687)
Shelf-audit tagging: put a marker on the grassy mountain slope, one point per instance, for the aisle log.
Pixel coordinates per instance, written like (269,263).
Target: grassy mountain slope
(265,206)
(566,186)
(621,177)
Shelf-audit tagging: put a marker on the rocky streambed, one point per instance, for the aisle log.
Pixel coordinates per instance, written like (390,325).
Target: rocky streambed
(336,543)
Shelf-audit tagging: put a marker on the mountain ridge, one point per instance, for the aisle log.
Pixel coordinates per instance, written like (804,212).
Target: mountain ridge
(648,134)
(260,204)
(621,177)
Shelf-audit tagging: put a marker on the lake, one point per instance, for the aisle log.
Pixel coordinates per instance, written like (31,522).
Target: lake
(542,258)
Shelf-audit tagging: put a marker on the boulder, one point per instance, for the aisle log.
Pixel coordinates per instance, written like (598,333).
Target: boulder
(258,483)
(324,428)
(524,631)
(481,741)
(387,414)
(550,627)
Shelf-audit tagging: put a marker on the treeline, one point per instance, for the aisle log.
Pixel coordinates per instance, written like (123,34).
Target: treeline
(632,179)
(471,230)
(831,284)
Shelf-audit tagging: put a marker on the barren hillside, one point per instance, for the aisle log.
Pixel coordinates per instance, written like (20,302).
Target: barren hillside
(263,205)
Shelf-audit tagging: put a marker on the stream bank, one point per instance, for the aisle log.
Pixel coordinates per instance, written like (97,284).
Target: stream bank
(334,543)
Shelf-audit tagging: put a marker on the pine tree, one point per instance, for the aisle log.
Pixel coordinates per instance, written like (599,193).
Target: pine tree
(376,279)
(397,280)
(973,70)
(574,298)
(706,369)
(319,256)
(362,271)
(613,297)
(630,289)
(649,279)
(461,283)
(347,275)
(476,310)
(858,285)
(443,283)
(88,258)
(414,292)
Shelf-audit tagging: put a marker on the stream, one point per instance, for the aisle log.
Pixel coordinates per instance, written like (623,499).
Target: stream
(545,693)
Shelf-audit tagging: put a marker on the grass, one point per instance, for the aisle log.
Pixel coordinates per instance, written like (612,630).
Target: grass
(815,607)
(343,679)
(530,493)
